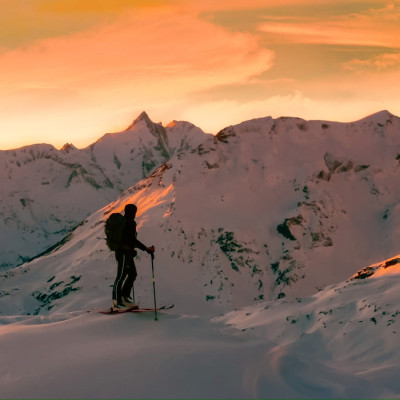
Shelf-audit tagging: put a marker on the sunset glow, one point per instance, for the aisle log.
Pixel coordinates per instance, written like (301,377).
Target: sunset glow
(73,70)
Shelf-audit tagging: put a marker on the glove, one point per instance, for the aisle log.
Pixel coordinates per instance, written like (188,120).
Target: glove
(150,249)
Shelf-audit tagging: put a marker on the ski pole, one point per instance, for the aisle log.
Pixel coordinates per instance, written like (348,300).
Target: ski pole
(154,286)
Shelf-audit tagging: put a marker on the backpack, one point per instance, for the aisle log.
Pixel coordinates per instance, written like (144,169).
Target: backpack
(114,230)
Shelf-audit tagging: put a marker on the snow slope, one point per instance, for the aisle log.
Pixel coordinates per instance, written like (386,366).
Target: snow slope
(261,234)
(351,328)
(46,192)
(339,343)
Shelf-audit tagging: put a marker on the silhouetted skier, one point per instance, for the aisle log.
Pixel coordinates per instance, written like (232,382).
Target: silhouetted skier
(124,254)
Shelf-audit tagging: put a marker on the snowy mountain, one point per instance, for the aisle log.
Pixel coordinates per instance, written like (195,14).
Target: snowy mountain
(267,238)
(47,192)
(266,209)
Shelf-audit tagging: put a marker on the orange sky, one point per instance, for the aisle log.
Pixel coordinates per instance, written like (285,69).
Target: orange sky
(72,70)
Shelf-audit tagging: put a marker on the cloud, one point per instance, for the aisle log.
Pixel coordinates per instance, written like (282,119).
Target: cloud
(381,63)
(143,61)
(98,6)
(253,90)
(24,22)
(372,27)
(167,47)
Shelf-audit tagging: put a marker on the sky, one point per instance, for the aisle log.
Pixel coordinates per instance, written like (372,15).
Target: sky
(72,70)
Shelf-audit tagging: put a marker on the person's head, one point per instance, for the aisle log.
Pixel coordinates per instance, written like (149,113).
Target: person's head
(130,211)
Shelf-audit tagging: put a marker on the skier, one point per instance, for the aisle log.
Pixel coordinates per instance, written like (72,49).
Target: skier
(126,272)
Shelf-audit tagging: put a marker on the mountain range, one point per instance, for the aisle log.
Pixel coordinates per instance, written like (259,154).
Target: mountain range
(47,192)
(263,210)
(275,238)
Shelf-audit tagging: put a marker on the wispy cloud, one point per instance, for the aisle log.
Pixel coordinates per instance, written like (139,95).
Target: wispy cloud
(24,22)
(161,46)
(99,6)
(374,27)
(381,63)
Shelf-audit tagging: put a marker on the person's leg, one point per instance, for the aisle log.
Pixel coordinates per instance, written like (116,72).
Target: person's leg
(131,275)
(121,275)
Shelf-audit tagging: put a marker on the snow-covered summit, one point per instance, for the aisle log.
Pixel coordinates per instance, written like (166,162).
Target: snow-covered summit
(142,118)
(157,130)
(68,147)
(380,117)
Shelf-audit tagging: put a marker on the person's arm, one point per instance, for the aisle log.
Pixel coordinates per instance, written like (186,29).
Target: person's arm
(142,247)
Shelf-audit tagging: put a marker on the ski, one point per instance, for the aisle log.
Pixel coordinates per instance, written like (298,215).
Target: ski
(138,310)
(111,310)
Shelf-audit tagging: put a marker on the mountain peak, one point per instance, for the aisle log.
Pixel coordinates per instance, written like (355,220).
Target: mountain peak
(142,117)
(379,117)
(157,130)
(68,147)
